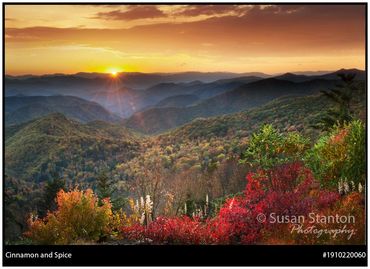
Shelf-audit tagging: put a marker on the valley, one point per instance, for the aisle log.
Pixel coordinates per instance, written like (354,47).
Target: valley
(184,145)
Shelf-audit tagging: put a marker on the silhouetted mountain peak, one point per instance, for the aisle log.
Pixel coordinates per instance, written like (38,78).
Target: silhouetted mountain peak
(293,77)
(352,70)
(360,74)
(288,74)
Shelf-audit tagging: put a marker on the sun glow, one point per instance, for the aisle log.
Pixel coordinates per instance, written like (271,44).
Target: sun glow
(114,72)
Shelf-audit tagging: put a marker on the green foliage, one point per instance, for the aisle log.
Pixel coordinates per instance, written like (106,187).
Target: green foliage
(341,154)
(269,148)
(107,189)
(104,188)
(285,113)
(52,187)
(55,146)
(354,167)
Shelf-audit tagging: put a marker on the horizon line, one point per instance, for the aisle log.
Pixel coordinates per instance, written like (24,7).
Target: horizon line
(181,72)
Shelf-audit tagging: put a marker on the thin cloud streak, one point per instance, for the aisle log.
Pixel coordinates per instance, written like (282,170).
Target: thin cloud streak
(133,12)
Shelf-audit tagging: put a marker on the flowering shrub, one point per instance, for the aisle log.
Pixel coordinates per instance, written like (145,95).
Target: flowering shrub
(78,218)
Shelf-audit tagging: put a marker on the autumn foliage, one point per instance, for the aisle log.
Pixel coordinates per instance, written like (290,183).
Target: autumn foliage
(340,155)
(349,205)
(78,218)
(289,189)
(280,182)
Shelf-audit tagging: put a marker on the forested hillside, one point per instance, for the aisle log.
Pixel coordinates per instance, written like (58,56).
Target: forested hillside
(193,175)
(155,120)
(55,146)
(19,109)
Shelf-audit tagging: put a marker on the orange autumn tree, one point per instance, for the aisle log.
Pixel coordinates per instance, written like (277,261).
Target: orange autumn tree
(78,218)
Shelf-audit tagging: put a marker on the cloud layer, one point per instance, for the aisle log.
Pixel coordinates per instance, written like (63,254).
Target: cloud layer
(133,12)
(239,38)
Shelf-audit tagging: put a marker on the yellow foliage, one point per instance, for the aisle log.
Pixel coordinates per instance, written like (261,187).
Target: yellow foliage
(78,218)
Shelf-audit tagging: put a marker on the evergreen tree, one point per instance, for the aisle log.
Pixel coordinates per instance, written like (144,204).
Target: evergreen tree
(52,187)
(342,96)
(104,188)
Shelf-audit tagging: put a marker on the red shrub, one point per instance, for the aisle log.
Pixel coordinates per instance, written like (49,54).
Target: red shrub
(288,190)
(325,199)
(135,232)
(283,191)
(177,230)
(285,177)
(240,221)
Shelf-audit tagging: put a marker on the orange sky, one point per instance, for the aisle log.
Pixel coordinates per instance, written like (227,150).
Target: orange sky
(43,39)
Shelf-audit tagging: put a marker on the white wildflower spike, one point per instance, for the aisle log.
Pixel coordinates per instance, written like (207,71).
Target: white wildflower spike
(142,219)
(137,208)
(340,187)
(142,204)
(360,188)
(148,204)
(185,208)
(346,187)
(206,205)
(353,185)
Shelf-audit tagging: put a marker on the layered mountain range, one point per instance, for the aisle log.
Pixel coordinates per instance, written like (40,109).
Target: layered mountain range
(73,127)
(153,103)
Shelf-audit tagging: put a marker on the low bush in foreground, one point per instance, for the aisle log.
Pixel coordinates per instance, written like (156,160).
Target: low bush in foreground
(340,155)
(78,218)
(287,190)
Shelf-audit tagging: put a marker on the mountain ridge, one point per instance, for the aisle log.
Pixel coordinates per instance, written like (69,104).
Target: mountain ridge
(19,109)
(249,95)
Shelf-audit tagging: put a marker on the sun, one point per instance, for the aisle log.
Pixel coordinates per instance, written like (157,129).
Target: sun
(113,71)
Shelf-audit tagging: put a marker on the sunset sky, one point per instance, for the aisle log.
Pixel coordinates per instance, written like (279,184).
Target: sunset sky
(42,39)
